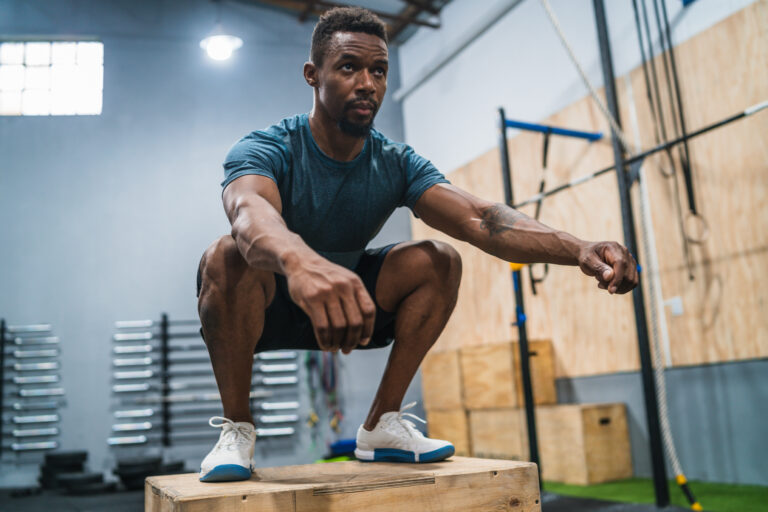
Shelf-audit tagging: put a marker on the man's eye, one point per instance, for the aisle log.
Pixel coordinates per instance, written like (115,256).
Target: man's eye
(346,66)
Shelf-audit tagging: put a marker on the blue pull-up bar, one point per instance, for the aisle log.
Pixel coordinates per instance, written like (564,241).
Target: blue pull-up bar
(552,129)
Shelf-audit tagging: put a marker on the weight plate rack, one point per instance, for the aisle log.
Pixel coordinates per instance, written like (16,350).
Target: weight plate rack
(164,390)
(31,393)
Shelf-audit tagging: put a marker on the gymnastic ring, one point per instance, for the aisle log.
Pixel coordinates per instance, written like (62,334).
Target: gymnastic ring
(666,174)
(660,166)
(703,232)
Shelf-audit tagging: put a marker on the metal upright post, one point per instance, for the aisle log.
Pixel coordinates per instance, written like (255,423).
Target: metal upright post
(525,369)
(164,379)
(2,377)
(628,224)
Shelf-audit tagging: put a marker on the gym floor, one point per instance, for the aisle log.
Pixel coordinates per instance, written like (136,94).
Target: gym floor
(134,500)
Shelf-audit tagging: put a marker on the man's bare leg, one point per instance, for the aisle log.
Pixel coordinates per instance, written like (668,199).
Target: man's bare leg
(232,301)
(420,282)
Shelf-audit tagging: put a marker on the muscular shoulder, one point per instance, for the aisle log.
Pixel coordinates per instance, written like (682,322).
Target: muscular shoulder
(392,152)
(266,152)
(281,134)
(273,142)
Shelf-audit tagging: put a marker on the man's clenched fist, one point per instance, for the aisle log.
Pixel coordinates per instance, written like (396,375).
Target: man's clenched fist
(611,264)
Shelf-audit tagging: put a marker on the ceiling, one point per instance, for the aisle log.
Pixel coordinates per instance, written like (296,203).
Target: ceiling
(403,17)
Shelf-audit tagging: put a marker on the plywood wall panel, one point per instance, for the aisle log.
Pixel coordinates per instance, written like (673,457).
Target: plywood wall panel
(724,306)
(724,315)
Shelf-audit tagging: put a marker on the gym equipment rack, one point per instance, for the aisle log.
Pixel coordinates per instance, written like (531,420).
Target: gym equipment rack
(30,390)
(164,389)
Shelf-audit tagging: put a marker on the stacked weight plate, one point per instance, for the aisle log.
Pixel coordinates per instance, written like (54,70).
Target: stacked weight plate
(30,390)
(66,471)
(133,470)
(164,389)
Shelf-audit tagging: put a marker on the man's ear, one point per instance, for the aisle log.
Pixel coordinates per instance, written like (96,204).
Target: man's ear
(310,74)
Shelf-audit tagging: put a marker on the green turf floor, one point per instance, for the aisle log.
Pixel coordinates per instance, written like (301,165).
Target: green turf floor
(713,497)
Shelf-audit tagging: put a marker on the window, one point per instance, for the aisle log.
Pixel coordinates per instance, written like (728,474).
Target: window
(40,78)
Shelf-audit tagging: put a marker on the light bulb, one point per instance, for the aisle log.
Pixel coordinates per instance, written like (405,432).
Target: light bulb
(220,46)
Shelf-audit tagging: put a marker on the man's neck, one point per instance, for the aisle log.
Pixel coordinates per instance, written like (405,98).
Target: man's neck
(331,140)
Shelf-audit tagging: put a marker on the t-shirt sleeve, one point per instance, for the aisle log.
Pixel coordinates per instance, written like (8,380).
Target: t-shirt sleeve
(258,153)
(420,174)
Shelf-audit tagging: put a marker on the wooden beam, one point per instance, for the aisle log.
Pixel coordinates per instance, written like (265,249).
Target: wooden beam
(394,17)
(424,5)
(396,23)
(410,13)
(296,6)
(307,10)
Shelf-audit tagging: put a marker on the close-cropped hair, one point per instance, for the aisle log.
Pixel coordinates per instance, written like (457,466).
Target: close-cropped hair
(343,19)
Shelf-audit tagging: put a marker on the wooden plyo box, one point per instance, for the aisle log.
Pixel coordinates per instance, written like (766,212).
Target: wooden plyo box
(578,444)
(491,375)
(451,425)
(441,380)
(458,484)
(499,434)
(584,443)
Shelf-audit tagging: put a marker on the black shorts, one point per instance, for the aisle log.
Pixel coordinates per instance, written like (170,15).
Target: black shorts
(286,326)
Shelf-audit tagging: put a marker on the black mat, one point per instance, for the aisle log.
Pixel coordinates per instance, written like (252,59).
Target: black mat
(556,503)
(49,501)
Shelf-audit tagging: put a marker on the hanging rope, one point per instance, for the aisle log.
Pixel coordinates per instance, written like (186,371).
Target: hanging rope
(659,332)
(592,91)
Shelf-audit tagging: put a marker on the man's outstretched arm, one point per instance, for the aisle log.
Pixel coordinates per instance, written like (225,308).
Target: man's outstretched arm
(511,235)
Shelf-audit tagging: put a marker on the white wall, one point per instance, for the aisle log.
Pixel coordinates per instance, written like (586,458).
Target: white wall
(519,64)
(105,218)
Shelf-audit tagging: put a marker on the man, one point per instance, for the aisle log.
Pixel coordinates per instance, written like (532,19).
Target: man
(304,198)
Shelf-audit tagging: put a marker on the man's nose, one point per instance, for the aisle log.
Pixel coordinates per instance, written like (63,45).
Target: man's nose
(365,81)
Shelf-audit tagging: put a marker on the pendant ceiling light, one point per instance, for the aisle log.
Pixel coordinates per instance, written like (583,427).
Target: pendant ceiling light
(218,44)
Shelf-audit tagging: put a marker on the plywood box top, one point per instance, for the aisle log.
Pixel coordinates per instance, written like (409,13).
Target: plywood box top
(459,483)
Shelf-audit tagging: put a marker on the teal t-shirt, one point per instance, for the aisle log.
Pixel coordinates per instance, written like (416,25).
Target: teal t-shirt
(336,207)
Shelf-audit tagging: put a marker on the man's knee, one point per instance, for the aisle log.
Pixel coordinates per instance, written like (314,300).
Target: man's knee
(439,259)
(224,269)
(214,260)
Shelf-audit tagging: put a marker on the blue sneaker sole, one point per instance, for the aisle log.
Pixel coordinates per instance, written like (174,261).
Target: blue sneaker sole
(227,473)
(395,455)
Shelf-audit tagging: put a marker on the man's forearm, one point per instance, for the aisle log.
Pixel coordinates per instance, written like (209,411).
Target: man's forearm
(513,236)
(265,241)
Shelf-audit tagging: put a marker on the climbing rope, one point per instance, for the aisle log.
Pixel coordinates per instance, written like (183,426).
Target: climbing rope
(659,331)
(592,91)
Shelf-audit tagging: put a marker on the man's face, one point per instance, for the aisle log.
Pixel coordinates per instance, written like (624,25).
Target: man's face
(353,80)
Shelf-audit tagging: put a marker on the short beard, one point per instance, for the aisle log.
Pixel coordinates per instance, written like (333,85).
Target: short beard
(355,130)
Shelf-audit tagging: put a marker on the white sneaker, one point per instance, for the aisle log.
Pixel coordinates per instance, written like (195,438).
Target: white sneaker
(232,457)
(395,439)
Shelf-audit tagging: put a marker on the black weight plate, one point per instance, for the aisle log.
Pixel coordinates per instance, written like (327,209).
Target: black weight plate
(78,479)
(23,492)
(95,488)
(177,465)
(133,484)
(48,482)
(136,472)
(52,471)
(136,462)
(65,458)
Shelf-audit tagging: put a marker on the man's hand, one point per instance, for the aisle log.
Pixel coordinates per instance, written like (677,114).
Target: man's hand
(336,301)
(611,264)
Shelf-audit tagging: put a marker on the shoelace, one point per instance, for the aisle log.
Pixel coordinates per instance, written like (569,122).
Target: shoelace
(408,425)
(234,435)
